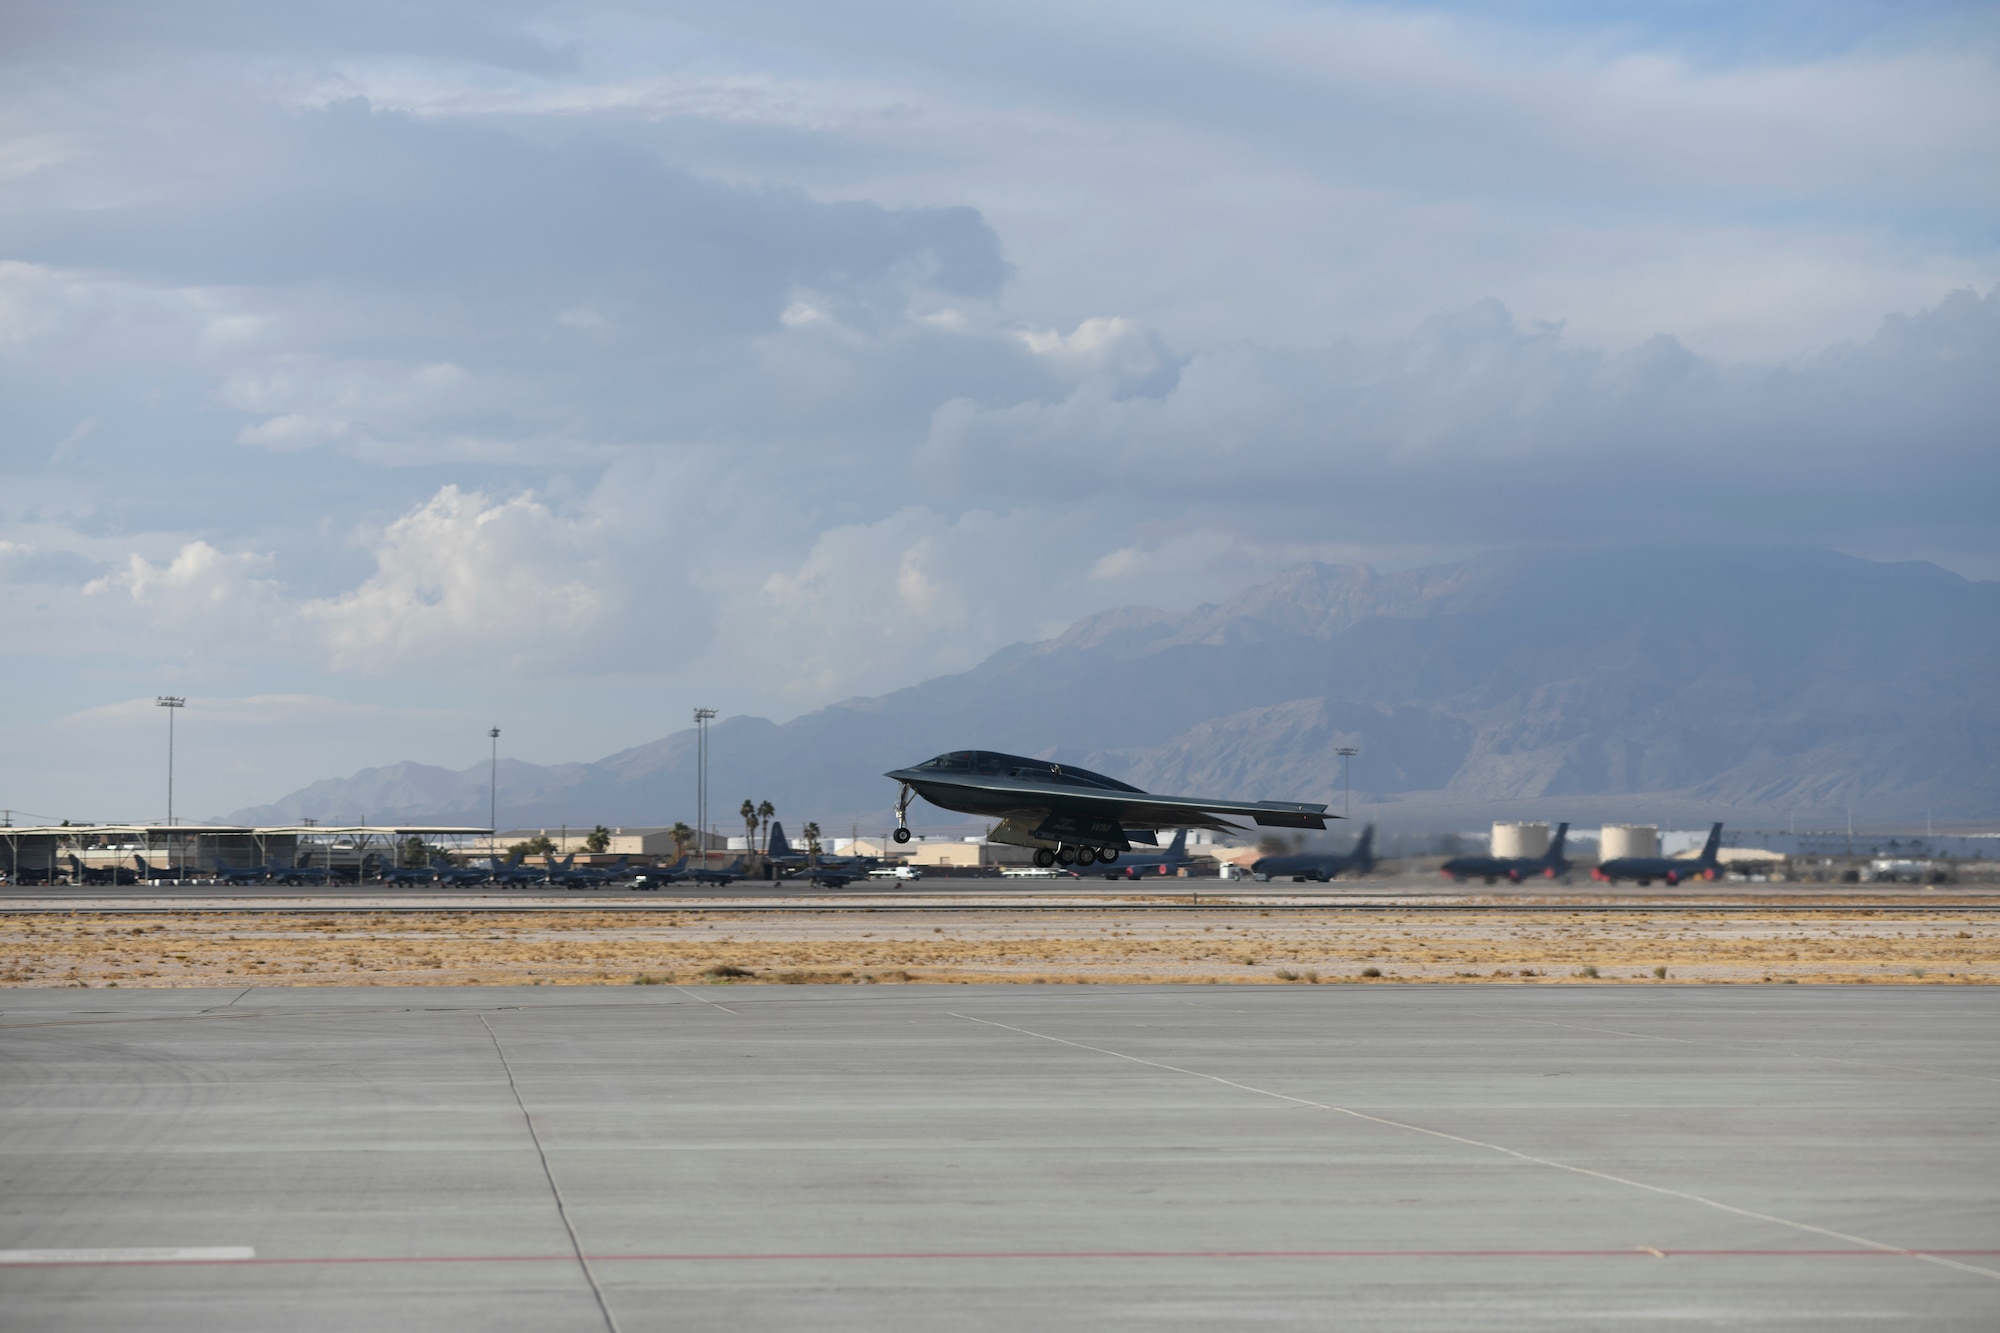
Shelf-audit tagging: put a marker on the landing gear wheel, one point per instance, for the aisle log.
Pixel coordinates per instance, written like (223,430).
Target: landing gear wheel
(1086,856)
(1044,857)
(901,835)
(1065,857)
(1107,855)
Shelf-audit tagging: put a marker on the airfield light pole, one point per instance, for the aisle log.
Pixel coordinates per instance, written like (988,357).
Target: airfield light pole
(702,717)
(493,798)
(1346,753)
(170,702)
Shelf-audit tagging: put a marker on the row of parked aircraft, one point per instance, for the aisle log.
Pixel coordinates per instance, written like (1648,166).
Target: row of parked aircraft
(1554,864)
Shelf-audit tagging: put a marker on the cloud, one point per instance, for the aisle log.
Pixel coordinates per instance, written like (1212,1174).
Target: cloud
(199,595)
(1489,424)
(572,358)
(466,578)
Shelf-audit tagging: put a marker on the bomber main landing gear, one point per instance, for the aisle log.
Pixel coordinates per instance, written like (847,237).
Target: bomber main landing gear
(902,833)
(1063,854)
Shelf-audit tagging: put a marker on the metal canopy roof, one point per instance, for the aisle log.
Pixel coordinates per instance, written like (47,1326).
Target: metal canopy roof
(241,830)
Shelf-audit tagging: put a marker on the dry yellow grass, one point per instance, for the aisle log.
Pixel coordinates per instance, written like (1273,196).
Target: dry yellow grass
(1162,945)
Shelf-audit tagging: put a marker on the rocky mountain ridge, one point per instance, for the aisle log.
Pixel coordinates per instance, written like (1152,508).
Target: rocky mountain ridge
(1706,681)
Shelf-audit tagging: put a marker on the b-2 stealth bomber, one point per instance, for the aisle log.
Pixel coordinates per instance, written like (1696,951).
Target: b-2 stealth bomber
(1069,815)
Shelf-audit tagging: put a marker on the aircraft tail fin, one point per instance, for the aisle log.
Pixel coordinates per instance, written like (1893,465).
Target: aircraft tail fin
(1177,849)
(1555,851)
(1713,845)
(776,844)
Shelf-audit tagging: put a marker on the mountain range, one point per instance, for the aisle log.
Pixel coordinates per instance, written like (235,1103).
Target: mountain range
(1653,684)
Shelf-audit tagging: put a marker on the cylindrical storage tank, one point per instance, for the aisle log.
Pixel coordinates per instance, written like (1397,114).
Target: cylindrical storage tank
(1520,839)
(1618,840)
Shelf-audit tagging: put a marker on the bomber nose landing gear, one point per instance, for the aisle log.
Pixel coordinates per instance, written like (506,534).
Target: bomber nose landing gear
(902,833)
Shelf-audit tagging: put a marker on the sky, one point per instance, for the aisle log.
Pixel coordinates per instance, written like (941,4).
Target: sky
(374,374)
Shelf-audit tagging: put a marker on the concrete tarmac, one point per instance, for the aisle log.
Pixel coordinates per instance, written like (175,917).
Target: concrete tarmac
(888,1158)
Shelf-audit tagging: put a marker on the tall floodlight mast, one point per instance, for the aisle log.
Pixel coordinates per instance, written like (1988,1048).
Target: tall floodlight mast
(702,717)
(493,797)
(170,702)
(1346,753)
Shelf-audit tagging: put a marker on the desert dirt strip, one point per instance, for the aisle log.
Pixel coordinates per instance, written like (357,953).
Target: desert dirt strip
(168,949)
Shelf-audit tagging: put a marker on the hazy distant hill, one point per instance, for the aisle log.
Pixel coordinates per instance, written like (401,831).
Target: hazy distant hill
(1654,683)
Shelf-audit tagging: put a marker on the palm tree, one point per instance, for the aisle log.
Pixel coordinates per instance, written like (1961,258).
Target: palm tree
(599,839)
(765,810)
(749,813)
(682,836)
(811,834)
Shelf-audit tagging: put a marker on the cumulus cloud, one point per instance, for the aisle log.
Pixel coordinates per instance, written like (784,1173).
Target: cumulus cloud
(467,577)
(198,594)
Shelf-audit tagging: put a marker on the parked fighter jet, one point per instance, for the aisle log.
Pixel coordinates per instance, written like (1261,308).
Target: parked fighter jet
(79,873)
(149,872)
(1071,816)
(1131,865)
(1551,864)
(1320,866)
(701,874)
(1646,869)
(588,877)
(654,877)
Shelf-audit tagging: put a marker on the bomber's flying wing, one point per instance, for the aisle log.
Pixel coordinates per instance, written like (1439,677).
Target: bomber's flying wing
(1023,799)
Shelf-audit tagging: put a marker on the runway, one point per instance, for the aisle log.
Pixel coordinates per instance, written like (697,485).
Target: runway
(1415,893)
(999,1158)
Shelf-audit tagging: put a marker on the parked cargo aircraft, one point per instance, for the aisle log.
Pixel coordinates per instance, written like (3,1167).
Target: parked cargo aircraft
(789,862)
(1320,866)
(1551,864)
(1071,816)
(1646,869)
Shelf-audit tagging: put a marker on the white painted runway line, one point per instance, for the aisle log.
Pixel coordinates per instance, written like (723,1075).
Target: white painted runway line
(168,1254)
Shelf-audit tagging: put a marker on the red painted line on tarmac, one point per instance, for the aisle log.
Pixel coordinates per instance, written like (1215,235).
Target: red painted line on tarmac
(839,1256)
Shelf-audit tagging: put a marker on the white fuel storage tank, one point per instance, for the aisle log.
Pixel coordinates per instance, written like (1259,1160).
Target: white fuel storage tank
(1618,840)
(1520,839)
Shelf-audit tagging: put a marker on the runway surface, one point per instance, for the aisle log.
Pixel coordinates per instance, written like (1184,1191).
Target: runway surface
(999,1158)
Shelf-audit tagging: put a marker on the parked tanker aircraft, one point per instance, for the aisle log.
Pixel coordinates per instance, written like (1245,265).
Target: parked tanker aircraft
(1646,869)
(1131,865)
(1551,864)
(1069,815)
(1320,866)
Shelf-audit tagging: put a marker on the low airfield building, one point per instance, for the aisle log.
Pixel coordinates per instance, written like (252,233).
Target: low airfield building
(80,853)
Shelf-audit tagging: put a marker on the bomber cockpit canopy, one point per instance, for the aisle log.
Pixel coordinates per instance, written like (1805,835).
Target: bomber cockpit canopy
(992,764)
